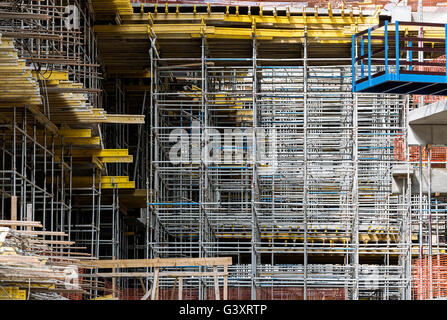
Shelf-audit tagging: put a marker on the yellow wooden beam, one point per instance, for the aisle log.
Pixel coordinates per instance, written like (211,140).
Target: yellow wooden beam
(194,30)
(107,182)
(119,185)
(76,133)
(97,162)
(313,20)
(117,159)
(100,153)
(112,6)
(123,118)
(51,75)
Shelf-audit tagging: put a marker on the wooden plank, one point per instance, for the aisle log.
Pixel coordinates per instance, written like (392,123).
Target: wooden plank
(124,118)
(158,262)
(70,247)
(23,16)
(225,293)
(155,284)
(11,259)
(71,90)
(147,294)
(52,242)
(14,209)
(29,213)
(43,119)
(173,290)
(180,288)
(46,233)
(20,223)
(113,282)
(142,283)
(66,253)
(216,284)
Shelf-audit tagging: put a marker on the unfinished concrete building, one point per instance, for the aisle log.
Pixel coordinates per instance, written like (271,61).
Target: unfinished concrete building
(224,150)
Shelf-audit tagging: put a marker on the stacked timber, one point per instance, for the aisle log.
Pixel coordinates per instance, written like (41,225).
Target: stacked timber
(18,86)
(33,267)
(21,85)
(69,102)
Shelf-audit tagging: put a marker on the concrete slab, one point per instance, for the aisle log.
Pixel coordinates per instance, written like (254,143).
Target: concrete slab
(438,181)
(434,113)
(428,125)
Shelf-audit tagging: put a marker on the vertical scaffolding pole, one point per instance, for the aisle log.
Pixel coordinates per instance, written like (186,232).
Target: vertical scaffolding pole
(14,167)
(420,44)
(430,240)
(151,184)
(421,208)
(408,204)
(430,235)
(355,201)
(305,147)
(254,186)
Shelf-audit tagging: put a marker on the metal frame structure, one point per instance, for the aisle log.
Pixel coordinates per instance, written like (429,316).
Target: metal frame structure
(52,166)
(271,160)
(401,75)
(33,184)
(329,195)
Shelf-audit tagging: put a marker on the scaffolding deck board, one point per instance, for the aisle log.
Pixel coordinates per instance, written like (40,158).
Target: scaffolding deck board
(405,84)
(383,71)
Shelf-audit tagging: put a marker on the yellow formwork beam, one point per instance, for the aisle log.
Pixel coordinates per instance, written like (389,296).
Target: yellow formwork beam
(107,297)
(117,159)
(326,33)
(112,6)
(114,179)
(96,141)
(135,30)
(270,34)
(12,293)
(119,185)
(249,19)
(123,118)
(97,162)
(43,119)
(51,75)
(187,31)
(100,153)
(107,182)
(18,86)
(76,133)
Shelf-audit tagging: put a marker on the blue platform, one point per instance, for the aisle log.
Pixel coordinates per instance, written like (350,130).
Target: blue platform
(397,76)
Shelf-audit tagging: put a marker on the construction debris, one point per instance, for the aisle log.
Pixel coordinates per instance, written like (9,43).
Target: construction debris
(31,269)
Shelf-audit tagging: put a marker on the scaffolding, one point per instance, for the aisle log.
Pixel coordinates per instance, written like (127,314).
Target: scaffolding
(232,135)
(314,211)
(56,166)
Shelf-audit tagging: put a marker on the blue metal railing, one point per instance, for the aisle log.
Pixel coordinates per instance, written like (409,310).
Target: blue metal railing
(403,55)
(369,53)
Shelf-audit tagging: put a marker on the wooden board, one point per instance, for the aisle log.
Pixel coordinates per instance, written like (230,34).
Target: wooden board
(169,262)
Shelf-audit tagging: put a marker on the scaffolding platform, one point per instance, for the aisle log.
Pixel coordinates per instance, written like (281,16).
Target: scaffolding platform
(373,48)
